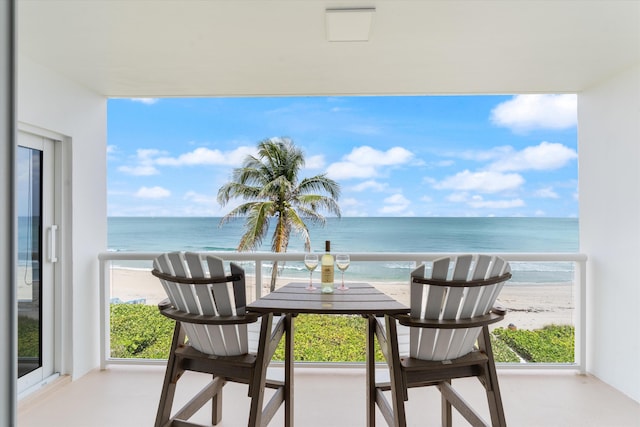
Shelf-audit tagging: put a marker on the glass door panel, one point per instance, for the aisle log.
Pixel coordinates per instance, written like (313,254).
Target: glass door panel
(29,260)
(34,278)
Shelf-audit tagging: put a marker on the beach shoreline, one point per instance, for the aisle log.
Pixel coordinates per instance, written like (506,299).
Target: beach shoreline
(529,306)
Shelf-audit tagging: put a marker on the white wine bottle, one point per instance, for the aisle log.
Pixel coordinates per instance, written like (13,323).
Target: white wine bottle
(326,272)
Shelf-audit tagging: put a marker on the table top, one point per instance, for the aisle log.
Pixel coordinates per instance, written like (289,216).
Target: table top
(360,298)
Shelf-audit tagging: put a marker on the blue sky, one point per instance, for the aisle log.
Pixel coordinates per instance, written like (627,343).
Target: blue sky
(392,156)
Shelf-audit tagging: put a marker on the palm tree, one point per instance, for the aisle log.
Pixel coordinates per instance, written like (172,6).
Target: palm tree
(269,184)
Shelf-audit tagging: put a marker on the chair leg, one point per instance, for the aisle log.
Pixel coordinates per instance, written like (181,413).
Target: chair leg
(446,410)
(288,370)
(171,376)
(259,376)
(491,382)
(399,392)
(216,407)
(371,372)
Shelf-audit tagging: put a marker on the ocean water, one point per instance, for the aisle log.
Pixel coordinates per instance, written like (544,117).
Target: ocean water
(489,235)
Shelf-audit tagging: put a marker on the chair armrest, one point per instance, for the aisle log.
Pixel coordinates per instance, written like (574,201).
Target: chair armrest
(195,280)
(499,310)
(164,304)
(487,319)
(461,283)
(181,316)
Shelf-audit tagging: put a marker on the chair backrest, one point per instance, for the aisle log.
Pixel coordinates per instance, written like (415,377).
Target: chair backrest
(461,287)
(210,299)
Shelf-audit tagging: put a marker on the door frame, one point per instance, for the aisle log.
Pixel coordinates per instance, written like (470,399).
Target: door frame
(61,216)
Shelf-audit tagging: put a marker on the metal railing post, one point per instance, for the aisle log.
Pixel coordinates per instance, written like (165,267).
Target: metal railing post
(258,278)
(104,313)
(581,316)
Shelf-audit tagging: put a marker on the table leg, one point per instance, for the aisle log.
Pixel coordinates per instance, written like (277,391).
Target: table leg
(288,370)
(371,372)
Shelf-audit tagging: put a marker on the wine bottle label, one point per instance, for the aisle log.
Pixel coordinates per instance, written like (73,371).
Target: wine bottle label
(327,274)
(326,263)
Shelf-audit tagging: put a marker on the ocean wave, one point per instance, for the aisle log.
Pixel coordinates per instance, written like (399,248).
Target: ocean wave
(399,266)
(215,249)
(542,266)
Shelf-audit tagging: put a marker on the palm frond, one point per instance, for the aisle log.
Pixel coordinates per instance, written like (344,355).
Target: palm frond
(256,226)
(232,190)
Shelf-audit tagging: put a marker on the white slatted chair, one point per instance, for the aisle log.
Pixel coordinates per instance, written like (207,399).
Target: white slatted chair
(222,338)
(445,336)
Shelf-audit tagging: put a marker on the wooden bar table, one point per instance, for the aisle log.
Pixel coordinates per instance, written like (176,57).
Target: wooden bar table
(361,299)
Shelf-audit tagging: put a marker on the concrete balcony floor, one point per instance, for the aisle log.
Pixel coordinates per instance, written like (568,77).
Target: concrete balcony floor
(124,396)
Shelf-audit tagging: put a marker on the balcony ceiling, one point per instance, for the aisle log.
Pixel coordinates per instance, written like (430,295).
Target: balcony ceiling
(143,48)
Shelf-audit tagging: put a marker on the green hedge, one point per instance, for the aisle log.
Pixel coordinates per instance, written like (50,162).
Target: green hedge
(140,331)
(28,337)
(502,352)
(326,338)
(552,344)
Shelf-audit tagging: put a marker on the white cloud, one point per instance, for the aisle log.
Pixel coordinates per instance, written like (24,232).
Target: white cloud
(458,197)
(346,170)
(153,193)
(396,210)
(369,185)
(441,164)
(483,155)
(396,204)
(198,198)
(365,162)
(546,193)
(526,112)
(206,156)
(314,162)
(145,160)
(370,156)
(349,202)
(112,152)
(146,101)
(483,182)
(479,202)
(544,156)
(141,170)
(397,199)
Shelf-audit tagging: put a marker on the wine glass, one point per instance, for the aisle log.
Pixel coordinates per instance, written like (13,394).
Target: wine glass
(342,261)
(311,262)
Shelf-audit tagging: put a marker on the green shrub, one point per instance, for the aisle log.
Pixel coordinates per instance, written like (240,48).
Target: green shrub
(327,338)
(502,352)
(28,337)
(140,331)
(552,344)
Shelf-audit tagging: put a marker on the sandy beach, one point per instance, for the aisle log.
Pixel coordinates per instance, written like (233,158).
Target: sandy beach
(529,306)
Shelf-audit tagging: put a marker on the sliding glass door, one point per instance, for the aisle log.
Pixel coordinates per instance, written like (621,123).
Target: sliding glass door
(36,259)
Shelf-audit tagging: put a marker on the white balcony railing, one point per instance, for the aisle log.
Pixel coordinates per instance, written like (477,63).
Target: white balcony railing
(257,262)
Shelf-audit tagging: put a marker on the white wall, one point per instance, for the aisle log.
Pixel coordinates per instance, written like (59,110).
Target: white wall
(609,173)
(51,102)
